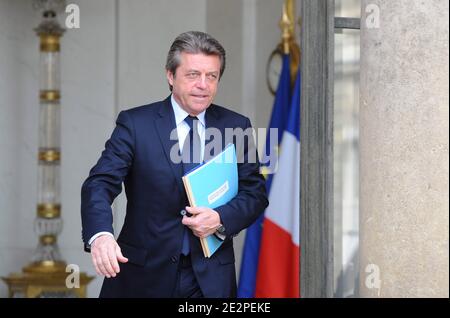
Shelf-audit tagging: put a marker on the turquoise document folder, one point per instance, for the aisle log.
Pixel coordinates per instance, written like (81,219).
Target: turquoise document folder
(213,184)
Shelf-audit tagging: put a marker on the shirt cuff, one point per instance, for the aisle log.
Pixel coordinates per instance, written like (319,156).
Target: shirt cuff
(97,235)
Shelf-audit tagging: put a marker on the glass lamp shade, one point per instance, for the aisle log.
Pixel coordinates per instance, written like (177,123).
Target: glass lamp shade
(50,126)
(43,226)
(50,71)
(49,183)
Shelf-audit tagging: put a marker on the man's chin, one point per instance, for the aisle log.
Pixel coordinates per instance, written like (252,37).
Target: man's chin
(198,108)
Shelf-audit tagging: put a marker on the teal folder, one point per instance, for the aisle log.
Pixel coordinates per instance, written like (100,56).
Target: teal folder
(211,185)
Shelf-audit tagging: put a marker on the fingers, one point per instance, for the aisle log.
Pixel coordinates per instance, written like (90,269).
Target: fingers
(194,223)
(105,256)
(120,257)
(114,265)
(106,262)
(188,221)
(198,228)
(99,267)
(195,210)
(204,221)
(96,266)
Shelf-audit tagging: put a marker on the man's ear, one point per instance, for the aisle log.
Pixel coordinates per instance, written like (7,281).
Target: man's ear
(169,75)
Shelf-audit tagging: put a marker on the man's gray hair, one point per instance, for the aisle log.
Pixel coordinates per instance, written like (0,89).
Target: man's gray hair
(194,42)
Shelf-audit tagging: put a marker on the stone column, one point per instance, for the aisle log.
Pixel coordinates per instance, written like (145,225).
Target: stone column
(404,133)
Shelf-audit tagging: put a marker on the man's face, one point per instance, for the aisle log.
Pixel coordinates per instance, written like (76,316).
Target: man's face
(195,81)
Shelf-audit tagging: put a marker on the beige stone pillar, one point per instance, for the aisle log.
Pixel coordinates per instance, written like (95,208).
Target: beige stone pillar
(404,133)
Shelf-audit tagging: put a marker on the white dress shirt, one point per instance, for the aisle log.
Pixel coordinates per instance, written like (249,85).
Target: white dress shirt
(183,127)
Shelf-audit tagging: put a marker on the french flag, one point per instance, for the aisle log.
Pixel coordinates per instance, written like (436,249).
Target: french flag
(278,273)
(278,120)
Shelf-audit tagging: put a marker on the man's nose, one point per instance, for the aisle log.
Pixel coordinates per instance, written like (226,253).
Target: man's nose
(201,82)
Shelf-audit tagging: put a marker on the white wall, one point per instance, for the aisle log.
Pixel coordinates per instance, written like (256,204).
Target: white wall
(88,113)
(146,30)
(114,61)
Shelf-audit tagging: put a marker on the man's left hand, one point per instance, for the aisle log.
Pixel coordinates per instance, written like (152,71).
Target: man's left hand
(203,222)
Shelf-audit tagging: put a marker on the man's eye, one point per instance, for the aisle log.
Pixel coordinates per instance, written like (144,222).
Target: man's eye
(212,76)
(192,75)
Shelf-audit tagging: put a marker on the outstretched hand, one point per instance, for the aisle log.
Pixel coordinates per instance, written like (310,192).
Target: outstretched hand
(106,255)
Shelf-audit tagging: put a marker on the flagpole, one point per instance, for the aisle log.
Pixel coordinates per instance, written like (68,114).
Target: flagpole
(288,44)
(286,29)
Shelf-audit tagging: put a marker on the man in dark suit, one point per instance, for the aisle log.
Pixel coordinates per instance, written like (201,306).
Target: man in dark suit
(158,252)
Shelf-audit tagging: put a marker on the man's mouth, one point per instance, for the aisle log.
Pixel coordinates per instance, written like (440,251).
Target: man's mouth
(200,96)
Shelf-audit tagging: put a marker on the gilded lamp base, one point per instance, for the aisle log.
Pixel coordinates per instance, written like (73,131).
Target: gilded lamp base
(46,279)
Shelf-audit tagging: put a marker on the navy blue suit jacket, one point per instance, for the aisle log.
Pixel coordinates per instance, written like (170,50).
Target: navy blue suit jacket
(138,154)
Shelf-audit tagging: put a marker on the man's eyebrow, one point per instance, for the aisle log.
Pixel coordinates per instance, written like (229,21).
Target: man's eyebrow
(194,70)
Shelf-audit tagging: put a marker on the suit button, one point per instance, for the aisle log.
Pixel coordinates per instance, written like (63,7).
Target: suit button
(184,212)
(174,259)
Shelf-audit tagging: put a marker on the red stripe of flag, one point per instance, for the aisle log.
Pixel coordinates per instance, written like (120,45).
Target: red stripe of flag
(279,264)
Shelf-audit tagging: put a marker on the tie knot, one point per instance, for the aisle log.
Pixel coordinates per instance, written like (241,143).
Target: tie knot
(190,120)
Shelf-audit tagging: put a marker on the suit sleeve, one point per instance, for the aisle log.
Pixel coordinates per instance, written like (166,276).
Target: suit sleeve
(105,179)
(251,199)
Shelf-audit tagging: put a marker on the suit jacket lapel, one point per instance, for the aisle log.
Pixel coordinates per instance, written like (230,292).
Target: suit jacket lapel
(212,121)
(165,124)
